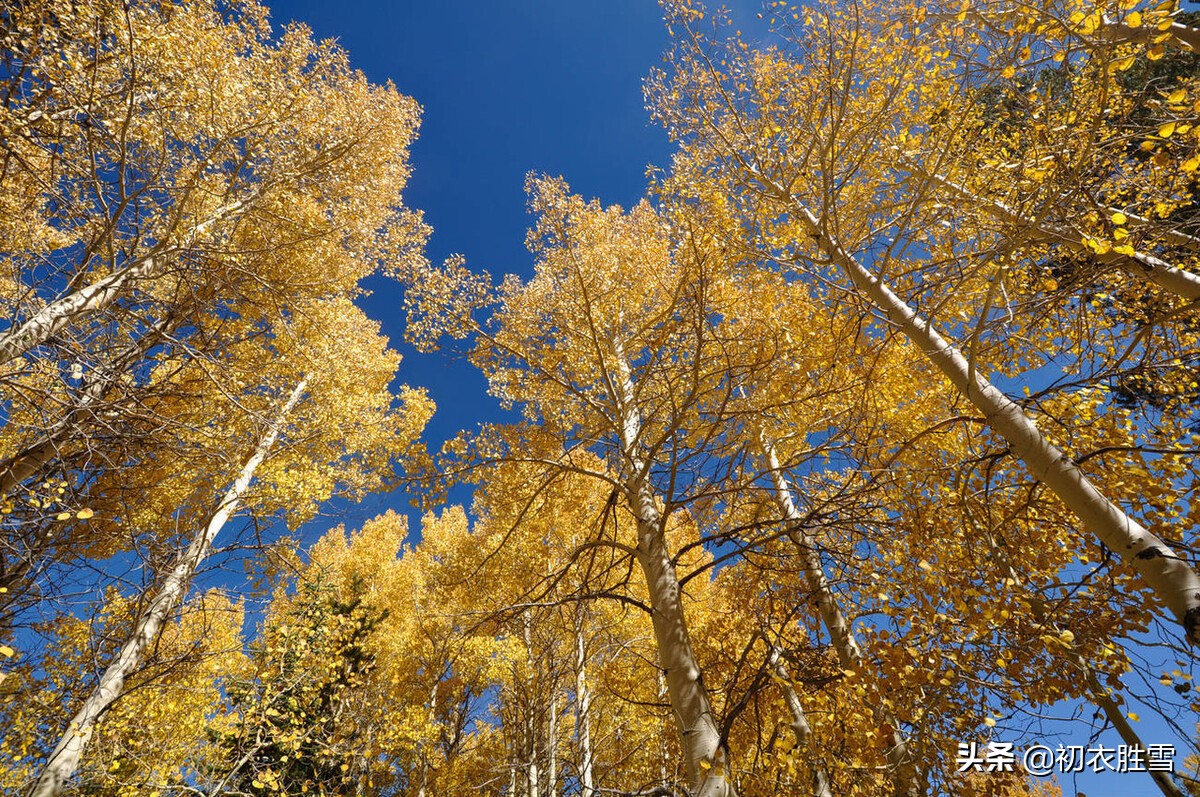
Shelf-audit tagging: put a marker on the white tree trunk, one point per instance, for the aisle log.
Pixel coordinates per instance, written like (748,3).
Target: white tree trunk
(34,458)
(706,759)
(65,758)
(431,718)
(583,715)
(532,715)
(800,727)
(1169,576)
(841,635)
(56,315)
(552,747)
(1140,264)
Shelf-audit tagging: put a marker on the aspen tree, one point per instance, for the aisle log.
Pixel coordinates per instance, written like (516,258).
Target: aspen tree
(64,760)
(156,239)
(729,133)
(581,346)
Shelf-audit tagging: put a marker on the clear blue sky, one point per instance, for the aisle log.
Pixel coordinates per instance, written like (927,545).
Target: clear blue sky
(506,88)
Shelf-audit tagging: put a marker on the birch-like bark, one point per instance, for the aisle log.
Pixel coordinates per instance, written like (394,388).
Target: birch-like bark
(800,727)
(552,747)
(531,717)
(1139,264)
(1171,578)
(706,758)
(56,315)
(841,635)
(583,715)
(64,760)
(532,773)
(431,718)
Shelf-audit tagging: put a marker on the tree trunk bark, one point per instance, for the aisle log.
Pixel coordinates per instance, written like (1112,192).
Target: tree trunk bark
(1169,576)
(64,760)
(841,635)
(706,756)
(552,747)
(800,727)
(1139,264)
(431,718)
(583,715)
(34,458)
(56,315)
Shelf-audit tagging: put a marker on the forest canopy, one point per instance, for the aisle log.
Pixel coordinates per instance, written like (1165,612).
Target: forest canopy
(859,452)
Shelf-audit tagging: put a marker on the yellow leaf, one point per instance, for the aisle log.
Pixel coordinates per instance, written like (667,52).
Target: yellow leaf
(84,514)
(7,652)
(63,516)
(1008,72)
(1134,20)
(1167,130)
(1191,164)
(1156,52)
(1133,717)
(1119,218)
(1177,96)
(988,721)
(928,568)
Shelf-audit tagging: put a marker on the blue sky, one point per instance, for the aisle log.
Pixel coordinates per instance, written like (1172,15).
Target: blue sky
(506,88)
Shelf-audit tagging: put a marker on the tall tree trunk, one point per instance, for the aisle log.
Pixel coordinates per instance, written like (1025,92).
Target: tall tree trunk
(1141,265)
(583,714)
(34,458)
(431,718)
(56,315)
(841,635)
(65,758)
(1171,578)
(532,711)
(800,727)
(552,747)
(706,756)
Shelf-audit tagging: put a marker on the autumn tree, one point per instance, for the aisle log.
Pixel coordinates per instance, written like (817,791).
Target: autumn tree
(155,737)
(196,274)
(607,351)
(155,240)
(809,147)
